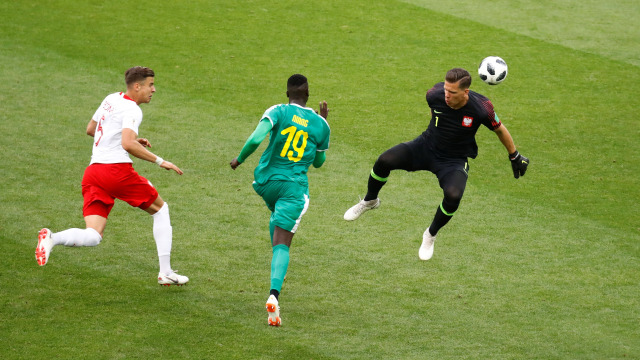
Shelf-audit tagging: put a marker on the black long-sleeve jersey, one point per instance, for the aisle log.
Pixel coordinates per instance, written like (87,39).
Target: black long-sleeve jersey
(452,133)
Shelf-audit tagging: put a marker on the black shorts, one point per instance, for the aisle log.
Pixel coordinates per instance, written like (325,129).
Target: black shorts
(425,157)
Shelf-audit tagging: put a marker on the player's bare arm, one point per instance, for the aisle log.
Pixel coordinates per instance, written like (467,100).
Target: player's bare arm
(91,128)
(144,142)
(132,146)
(505,138)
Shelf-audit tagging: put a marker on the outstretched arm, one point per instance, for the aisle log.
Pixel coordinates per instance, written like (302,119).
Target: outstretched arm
(134,147)
(252,143)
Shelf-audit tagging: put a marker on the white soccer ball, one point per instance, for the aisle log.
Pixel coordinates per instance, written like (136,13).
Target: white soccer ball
(492,70)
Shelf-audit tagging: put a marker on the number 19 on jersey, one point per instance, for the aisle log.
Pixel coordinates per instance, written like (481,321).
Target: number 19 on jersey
(293,139)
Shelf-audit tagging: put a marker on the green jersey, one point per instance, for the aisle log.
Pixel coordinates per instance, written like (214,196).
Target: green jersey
(297,133)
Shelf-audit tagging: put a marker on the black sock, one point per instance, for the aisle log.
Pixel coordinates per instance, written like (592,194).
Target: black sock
(373,188)
(275,293)
(439,220)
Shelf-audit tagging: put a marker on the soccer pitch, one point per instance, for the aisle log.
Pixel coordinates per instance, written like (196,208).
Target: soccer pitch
(543,267)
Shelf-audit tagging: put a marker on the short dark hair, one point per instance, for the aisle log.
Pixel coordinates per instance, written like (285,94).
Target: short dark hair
(137,74)
(296,80)
(459,74)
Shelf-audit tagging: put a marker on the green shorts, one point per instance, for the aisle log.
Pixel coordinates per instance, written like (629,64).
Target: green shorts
(287,200)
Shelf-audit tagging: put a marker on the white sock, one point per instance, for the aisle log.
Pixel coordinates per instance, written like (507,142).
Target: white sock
(77,237)
(165,264)
(163,234)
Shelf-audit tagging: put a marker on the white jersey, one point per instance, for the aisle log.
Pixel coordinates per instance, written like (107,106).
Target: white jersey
(117,112)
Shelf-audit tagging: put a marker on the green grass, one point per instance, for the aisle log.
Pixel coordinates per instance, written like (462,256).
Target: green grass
(544,267)
(606,28)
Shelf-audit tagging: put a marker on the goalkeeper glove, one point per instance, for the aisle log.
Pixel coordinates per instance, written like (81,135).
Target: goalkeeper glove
(519,164)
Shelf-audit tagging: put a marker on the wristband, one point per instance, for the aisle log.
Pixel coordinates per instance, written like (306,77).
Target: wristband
(514,155)
(159,160)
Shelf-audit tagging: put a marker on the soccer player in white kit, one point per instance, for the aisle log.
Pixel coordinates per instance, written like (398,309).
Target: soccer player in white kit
(110,175)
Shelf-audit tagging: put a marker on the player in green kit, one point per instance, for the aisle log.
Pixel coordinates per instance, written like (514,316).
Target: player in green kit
(298,139)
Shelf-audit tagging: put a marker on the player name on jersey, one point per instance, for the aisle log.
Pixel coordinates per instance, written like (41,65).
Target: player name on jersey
(298,120)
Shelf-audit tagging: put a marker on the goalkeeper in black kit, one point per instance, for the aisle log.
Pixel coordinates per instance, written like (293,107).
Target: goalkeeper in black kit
(443,149)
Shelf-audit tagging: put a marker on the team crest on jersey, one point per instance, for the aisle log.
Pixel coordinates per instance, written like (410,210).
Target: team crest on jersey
(467,121)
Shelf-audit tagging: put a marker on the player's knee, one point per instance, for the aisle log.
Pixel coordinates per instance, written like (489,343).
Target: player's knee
(383,166)
(453,195)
